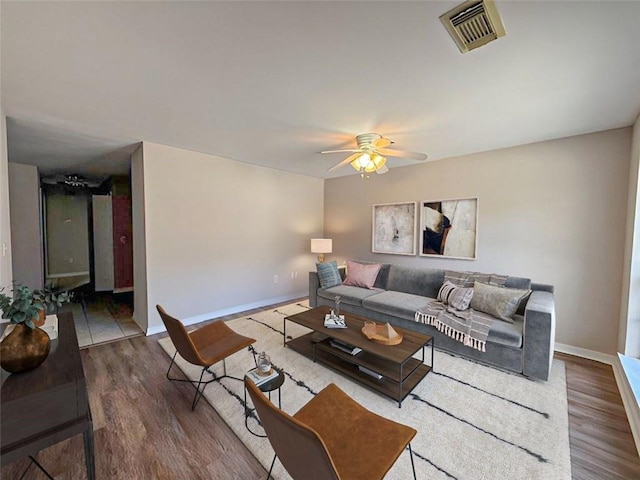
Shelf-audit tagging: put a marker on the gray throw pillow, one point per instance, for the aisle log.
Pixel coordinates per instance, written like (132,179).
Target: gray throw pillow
(497,301)
(328,274)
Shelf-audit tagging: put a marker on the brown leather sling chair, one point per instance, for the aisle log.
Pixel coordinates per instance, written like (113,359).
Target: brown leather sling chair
(332,437)
(204,347)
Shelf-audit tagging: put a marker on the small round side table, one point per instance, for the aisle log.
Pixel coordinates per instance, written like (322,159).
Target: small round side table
(266,387)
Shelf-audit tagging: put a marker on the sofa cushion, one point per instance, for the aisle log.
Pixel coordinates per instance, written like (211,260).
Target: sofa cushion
(398,304)
(361,275)
(348,294)
(518,282)
(328,274)
(419,281)
(497,301)
(509,334)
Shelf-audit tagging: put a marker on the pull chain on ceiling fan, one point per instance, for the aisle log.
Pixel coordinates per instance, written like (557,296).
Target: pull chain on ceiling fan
(370,156)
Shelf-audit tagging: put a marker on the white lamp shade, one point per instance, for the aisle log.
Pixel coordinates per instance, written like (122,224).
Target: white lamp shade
(321,245)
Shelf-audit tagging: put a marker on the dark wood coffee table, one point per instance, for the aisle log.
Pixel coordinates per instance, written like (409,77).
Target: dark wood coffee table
(395,363)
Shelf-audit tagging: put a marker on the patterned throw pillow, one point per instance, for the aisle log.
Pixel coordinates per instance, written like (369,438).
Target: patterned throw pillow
(467,279)
(458,297)
(328,274)
(498,280)
(459,279)
(478,277)
(500,302)
(361,275)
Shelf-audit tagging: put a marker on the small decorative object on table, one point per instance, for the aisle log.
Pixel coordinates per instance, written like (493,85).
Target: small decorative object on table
(337,301)
(26,346)
(263,371)
(263,363)
(333,321)
(258,377)
(383,334)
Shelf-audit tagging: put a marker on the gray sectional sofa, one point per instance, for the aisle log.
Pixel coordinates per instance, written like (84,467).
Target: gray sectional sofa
(524,347)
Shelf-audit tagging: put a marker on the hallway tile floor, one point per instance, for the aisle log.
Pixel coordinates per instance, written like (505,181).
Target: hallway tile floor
(102,320)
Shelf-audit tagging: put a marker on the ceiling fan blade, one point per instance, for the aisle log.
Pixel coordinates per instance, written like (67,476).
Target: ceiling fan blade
(402,154)
(346,161)
(342,151)
(382,169)
(382,142)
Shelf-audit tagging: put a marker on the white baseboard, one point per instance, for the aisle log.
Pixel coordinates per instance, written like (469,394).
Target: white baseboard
(229,311)
(631,407)
(585,353)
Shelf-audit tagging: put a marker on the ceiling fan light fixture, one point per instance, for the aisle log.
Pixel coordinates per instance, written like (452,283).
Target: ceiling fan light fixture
(376,163)
(362,162)
(75,180)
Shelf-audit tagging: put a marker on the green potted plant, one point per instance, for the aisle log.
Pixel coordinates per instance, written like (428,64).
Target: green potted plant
(50,299)
(24,304)
(26,346)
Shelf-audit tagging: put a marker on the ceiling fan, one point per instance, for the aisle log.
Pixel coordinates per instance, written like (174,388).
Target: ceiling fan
(72,180)
(370,156)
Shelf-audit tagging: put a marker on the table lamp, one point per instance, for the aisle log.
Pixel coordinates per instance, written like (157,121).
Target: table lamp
(321,246)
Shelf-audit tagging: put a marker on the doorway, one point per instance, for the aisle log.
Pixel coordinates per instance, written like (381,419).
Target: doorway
(88,251)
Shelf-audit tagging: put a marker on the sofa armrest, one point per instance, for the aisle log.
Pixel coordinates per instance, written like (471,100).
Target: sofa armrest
(314,285)
(539,334)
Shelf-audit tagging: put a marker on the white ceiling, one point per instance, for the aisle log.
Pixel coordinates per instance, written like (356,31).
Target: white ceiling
(274,83)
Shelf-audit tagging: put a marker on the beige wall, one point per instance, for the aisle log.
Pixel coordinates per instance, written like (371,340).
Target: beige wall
(552,211)
(629,333)
(6,275)
(26,233)
(217,231)
(139,240)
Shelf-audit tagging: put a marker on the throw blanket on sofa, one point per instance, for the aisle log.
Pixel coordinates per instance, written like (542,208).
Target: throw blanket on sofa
(467,326)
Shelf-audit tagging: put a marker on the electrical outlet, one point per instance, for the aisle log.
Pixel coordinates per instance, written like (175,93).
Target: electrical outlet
(295,274)
(275,279)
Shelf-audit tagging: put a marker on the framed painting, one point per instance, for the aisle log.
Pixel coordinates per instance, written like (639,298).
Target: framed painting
(449,228)
(394,228)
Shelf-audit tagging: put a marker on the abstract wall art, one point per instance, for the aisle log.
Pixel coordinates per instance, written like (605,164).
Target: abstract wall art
(394,228)
(449,228)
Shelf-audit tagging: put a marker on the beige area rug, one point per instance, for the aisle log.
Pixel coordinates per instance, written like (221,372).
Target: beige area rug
(473,422)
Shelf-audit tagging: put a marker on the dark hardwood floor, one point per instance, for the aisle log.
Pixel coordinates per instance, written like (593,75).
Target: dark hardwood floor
(602,445)
(145,429)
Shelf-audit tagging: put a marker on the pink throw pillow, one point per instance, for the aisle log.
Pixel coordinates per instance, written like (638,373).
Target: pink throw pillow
(361,275)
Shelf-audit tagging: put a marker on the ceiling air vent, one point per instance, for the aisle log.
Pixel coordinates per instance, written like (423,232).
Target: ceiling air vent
(473,24)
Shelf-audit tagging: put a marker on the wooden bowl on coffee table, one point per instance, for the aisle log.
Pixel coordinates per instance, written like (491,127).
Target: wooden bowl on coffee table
(383,334)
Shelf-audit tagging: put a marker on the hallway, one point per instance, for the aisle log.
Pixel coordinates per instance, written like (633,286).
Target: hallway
(103,318)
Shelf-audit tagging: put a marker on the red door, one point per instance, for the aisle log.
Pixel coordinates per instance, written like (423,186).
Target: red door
(122,244)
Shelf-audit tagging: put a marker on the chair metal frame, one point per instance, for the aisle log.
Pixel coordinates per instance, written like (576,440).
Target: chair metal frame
(196,353)
(199,393)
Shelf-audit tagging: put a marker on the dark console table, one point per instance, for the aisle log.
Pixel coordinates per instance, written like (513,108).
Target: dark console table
(49,404)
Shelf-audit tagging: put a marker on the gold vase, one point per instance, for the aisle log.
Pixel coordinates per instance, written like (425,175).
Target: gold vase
(24,349)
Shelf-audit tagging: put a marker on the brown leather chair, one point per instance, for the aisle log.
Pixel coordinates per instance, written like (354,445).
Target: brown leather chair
(204,347)
(332,437)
